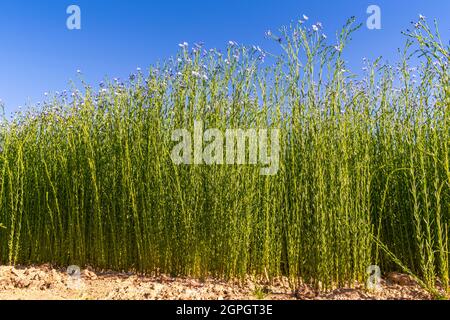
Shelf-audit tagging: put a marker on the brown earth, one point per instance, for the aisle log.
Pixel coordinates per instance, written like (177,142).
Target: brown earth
(47,283)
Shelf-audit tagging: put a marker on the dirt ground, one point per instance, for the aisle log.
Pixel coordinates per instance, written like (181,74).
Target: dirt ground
(46,283)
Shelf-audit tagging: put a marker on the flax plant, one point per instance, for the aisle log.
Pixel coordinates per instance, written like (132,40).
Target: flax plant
(364,174)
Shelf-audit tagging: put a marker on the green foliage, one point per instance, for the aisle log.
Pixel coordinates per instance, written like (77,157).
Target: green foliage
(260,293)
(364,168)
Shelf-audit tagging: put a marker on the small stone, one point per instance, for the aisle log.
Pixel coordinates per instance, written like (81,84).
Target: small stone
(400,279)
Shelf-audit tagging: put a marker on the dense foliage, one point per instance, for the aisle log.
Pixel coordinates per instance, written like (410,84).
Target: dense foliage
(364,175)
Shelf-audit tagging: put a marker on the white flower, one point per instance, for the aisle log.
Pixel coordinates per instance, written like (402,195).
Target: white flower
(421,17)
(337,48)
(315,28)
(306,18)
(138,69)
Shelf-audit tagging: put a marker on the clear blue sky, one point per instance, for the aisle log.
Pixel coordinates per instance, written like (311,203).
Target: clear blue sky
(39,54)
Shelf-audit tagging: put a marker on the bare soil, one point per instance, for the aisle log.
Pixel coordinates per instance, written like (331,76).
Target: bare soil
(47,283)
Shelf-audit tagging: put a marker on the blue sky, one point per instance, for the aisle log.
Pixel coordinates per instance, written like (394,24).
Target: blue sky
(39,54)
